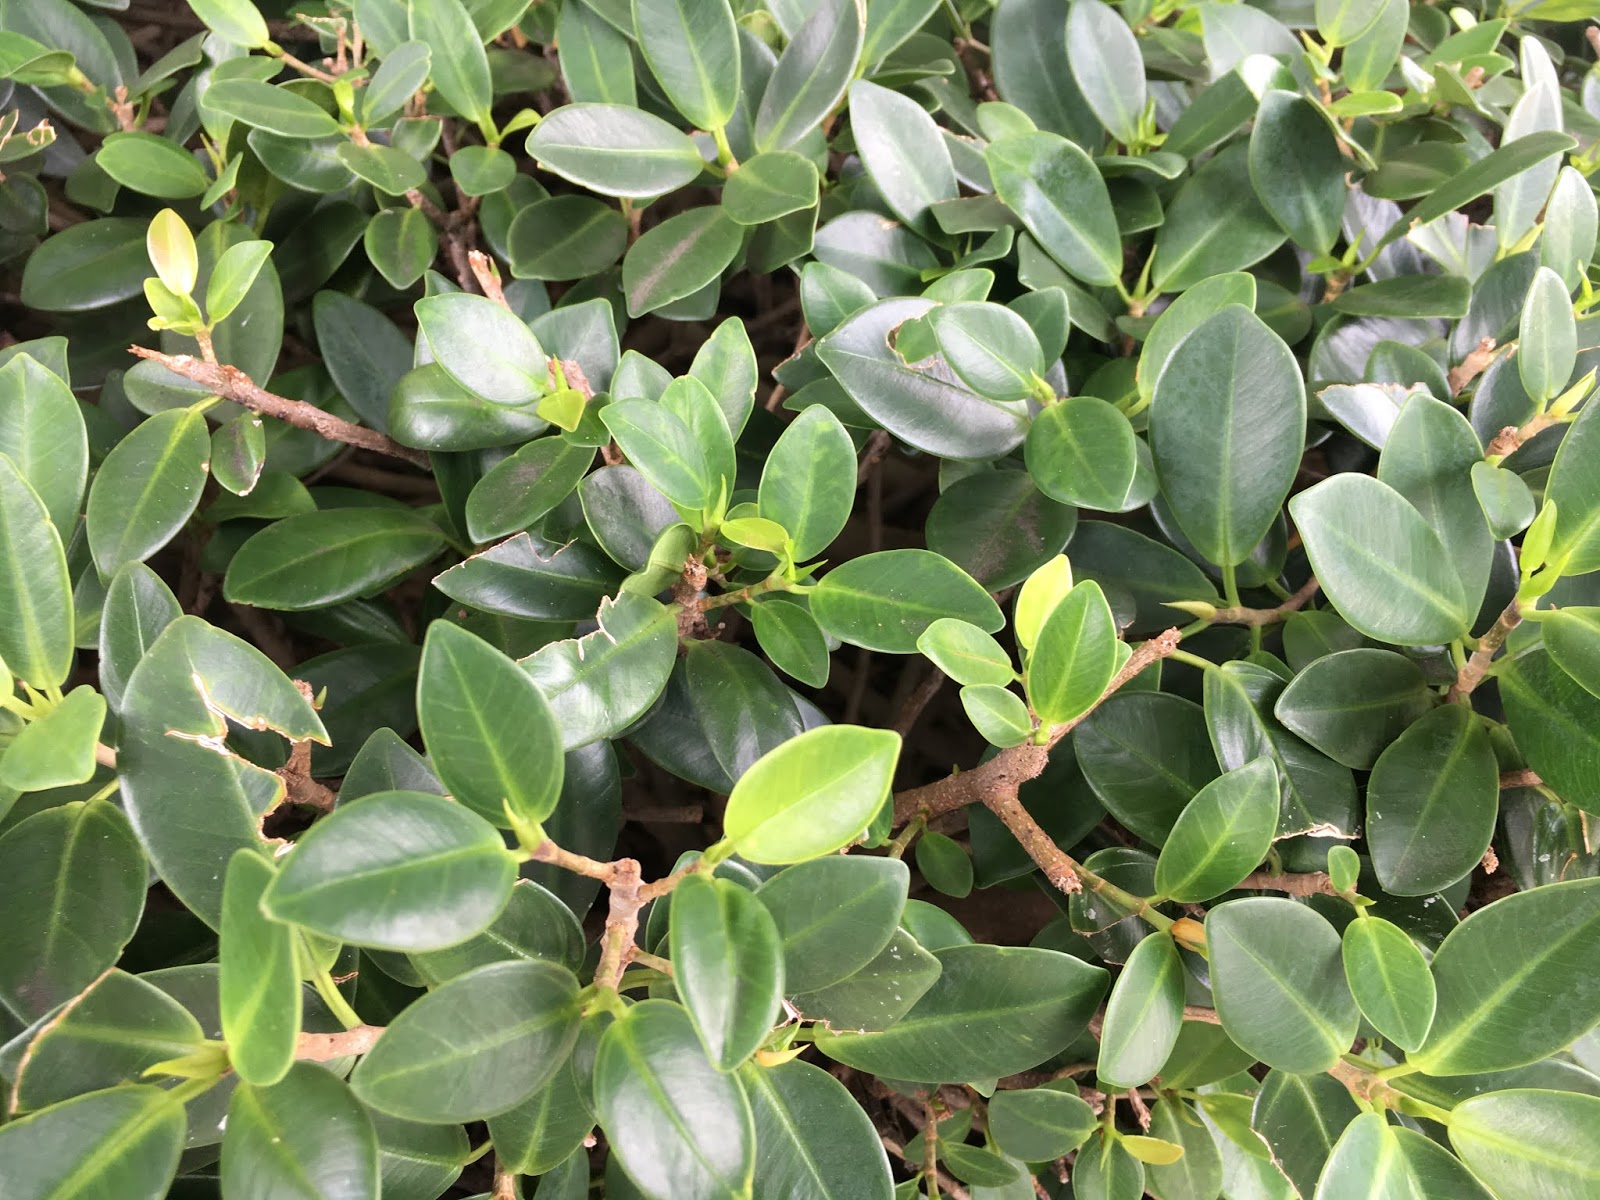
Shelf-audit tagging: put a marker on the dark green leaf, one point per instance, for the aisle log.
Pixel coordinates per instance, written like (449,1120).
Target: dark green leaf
(484,347)
(90,266)
(1038,1124)
(121,1142)
(811,75)
(1352,704)
(727,966)
(1389,978)
(1143,1015)
(1105,61)
(692,47)
(459,69)
(679,257)
(152,165)
(147,488)
(798,1107)
(258,984)
(1055,189)
(903,153)
(1297,170)
(528,577)
(275,109)
(321,558)
(306,1127)
(42,432)
(834,915)
(1222,834)
(769,186)
(534,925)
(1082,450)
(615,150)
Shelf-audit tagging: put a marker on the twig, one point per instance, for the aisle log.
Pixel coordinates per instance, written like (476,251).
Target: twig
(1520,779)
(877,446)
(1267,616)
(1469,368)
(1207,1016)
(105,755)
(487,275)
(323,1047)
(1511,437)
(505,1182)
(1313,883)
(1476,668)
(921,696)
(233,384)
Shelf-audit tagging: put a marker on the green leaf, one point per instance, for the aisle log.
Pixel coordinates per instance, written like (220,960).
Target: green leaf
(475,1047)
(1042,1123)
(524,486)
(1508,160)
(1214,225)
(615,150)
(238,453)
(923,408)
(399,76)
(90,266)
(726,364)
(306,1127)
(1574,492)
(1106,64)
(417,1161)
(42,431)
(528,577)
(1384,569)
(1351,705)
(798,1107)
(542,1132)
(1075,656)
(1081,450)
(146,488)
(1300,1118)
(1507,502)
(1531,1143)
(768,186)
(903,152)
(390,170)
(679,257)
(482,170)
(108,1034)
(1524,953)
(57,749)
(1554,721)
(320,558)
(812,795)
(535,924)
(484,347)
(36,641)
(990,347)
(275,109)
(1297,170)
(460,68)
(1146,754)
(811,74)
(1408,296)
(152,165)
(1572,637)
(674,1121)
(885,601)
(121,1142)
(692,47)
(1432,802)
(490,733)
(1390,980)
(1056,191)
(363,351)
(808,481)
(75,888)
(1227,430)
(966,653)
(258,984)
(834,915)
(664,449)
(1143,1015)
(942,862)
(1198,1170)
(995,1010)
(1222,834)
(566,237)
(236,21)
(1278,983)
(791,639)
(1341,22)
(727,964)
(399,871)
(998,714)
(1547,342)
(401,243)
(1105,1170)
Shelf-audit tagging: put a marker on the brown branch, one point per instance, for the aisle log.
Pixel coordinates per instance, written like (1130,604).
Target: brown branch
(1520,779)
(505,1182)
(323,1047)
(1511,437)
(105,755)
(1267,616)
(921,696)
(877,446)
(1474,670)
(487,275)
(1313,883)
(1206,1016)
(233,384)
(1007,771)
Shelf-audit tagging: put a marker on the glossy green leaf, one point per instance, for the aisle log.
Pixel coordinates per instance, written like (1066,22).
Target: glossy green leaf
(146,488)
(535,924)
(994,1011)
(1572,638)
(459,68)
(1039,1124)
(834,915)
(1531,1143)
(152,165)
(885,601)
(1384,569)
(1213,226)
(1547,345)
(36,642)
(1353,704)
(990,347)
(545,1130)
(399,871)
(484,347)
(1278,983)
(525,576)
(1432,802)
(259,986)
(1227,431)
(1390,980)
(123,1141)
(1297,170)
(675,1122)
(1056,191)
(769,186)
(692,47)
(998,527)
(321,558)
(400,242)
(1143,1015)
(966,653)
(1221,835)
(76,891)
(726,364)
(1506,500)
(522,487)
(812,795)
(790,637)
(664,449)
(1104,56)
(798,1107)
(1075,656)
(1082,450)
(615,150)
(812,73)
(1146,754)
(679,257)
(1521,954)
(42,432)
(727,966)
(1552,716)
(490,732)
(903,153)
(1300,1118)
(402,72)
(475,1047)
(1575,493)
(275,109)
(306,1127)
(90,266)
(57,749)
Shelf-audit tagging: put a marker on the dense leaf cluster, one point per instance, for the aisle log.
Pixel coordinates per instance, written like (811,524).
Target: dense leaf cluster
(484,672)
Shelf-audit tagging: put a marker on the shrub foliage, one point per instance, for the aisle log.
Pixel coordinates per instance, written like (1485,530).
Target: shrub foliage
(819,600)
